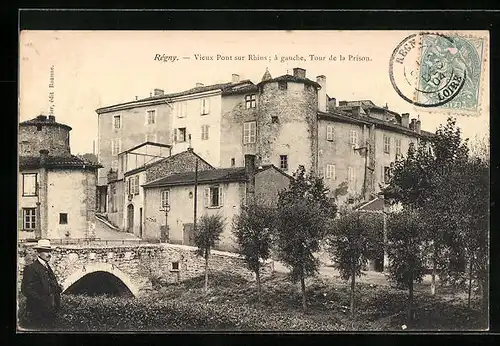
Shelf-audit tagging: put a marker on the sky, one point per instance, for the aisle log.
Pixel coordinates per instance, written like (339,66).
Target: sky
(93,69)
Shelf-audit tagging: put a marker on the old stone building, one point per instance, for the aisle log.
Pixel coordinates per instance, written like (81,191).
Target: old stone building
(284,121)
(56,190)
(221,191)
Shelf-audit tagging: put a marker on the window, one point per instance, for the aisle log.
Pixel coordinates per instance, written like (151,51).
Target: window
(122,163)
(117,121)
(329,133)
(284,162)
(165,198)
(204,132)
(353,137)
(398,146)
(387,144)
(213,196)
(249,132)
(30,184)
(133,185)
(386,174)
(174,266)
(114,165)
(180,134)
(330,172)
(274,119)
(350,175)
(181,109)
(63,218)
(233,162)
(39,127)
(250,101)
(282,85)
(151,117)
(29,218)
(116,146)
(205,106)
(151,137)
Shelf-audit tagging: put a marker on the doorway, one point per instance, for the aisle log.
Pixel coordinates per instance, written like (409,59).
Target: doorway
(140,223)
(130,218)
(188,234)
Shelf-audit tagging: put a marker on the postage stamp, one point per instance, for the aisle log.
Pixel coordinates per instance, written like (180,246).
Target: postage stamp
(440,71)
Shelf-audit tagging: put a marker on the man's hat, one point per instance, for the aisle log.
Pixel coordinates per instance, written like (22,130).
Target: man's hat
(43,244)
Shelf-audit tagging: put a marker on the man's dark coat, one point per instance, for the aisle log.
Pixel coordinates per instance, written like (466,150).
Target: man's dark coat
(42,292)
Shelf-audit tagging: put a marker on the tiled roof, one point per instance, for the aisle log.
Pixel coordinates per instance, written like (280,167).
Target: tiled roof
(290,78)
(43,120)
(169,158)
(26,162)
(207,176)
(226,88)
(370,120)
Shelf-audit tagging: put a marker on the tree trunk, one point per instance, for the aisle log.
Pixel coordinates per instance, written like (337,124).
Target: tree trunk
(303,288)
(410,298)
(257,276)
(353,292)
(470,281)
(433,276)
(206,272)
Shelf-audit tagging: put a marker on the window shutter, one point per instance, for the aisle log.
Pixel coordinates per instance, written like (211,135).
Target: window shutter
(137,185)
(207,197)
(175,135)
(126,188)
(221,196)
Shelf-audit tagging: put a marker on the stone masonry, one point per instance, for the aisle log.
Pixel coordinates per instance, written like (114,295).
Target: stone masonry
(138,267)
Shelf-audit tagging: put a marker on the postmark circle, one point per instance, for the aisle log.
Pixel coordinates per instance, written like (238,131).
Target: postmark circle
(427,70)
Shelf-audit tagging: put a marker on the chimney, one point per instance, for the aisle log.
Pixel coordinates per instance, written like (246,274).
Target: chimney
(321,93)
(332,102)
(41,117)
(418,126)
(412,124)
(299,72)
(44,153)
(250,174)
(199,85)
(159,92)
(356,111)
(235,78)
(52,118)
(405,118)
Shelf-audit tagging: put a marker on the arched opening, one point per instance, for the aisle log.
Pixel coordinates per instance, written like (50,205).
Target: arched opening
(99,283)
(130,218)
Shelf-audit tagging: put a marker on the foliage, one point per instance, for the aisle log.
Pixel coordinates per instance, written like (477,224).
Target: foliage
(207,233)
(302,219)
(302,215)
(354,240)
(252,229)
(405,248)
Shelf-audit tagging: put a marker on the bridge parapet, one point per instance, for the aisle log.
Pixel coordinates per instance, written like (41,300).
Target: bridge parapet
(138,266)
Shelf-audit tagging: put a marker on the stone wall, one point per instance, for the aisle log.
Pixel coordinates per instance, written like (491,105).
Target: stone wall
(53,138)
(137,266)
(294,132)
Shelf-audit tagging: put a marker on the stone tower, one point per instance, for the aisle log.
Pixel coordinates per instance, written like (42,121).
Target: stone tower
(44,133)
(287,122)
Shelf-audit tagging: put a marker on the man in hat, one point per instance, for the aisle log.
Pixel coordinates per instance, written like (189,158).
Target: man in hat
(41,289)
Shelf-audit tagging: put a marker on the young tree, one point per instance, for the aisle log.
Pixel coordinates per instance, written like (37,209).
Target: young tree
(301,223)
(355,239)
(252,229)
(406,251)
(207,233)
(417,181)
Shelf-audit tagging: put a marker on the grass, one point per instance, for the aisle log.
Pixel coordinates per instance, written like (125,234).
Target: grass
(232,304)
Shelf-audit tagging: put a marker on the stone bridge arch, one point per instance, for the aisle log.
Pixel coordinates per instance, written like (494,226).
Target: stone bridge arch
(100,267)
